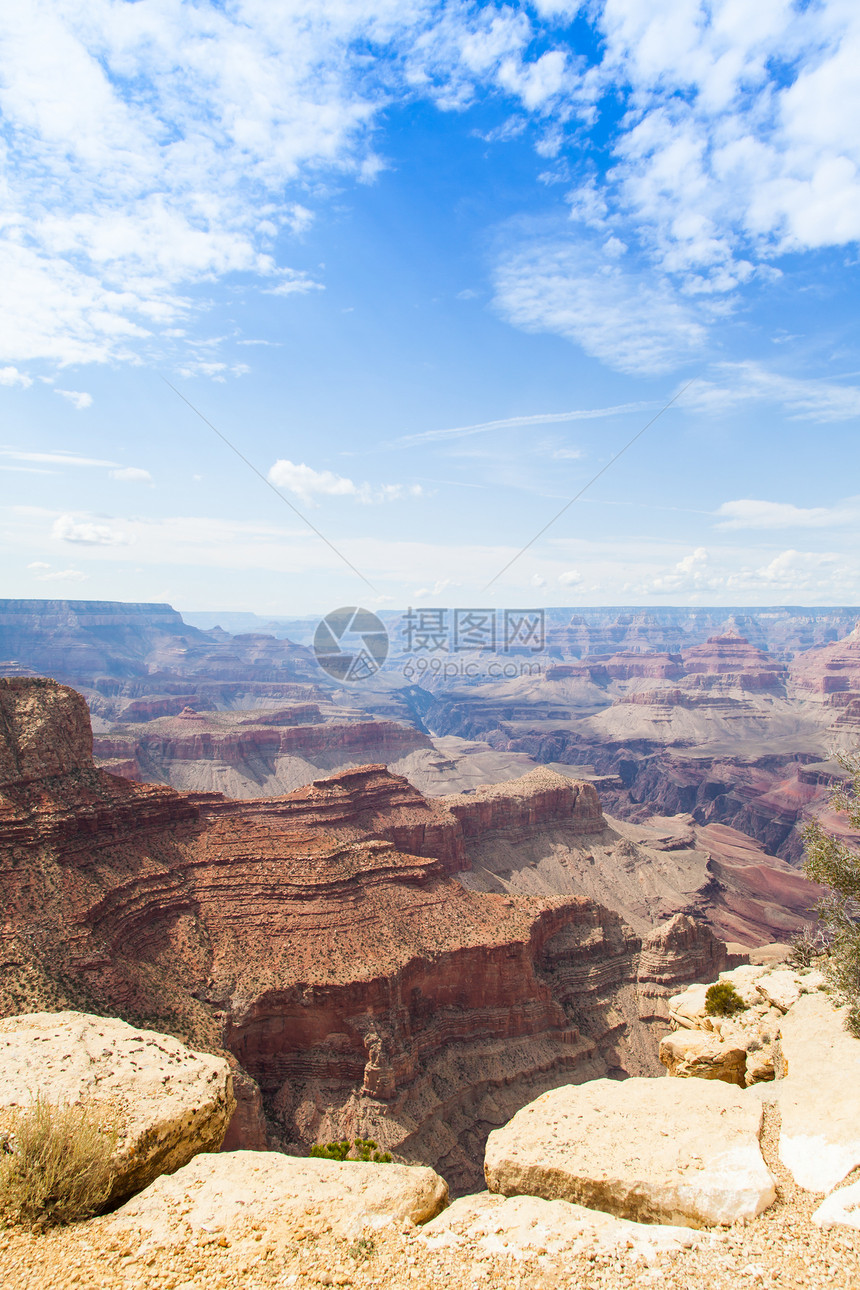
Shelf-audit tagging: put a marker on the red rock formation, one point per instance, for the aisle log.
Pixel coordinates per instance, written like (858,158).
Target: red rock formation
(830,673)
(732,658)
(540,799)
(177,749)
(318,936)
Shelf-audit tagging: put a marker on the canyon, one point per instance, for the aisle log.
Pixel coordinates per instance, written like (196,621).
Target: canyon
(326,939)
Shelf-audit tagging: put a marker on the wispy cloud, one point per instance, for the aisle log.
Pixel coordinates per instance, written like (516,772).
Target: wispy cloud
(806,399)
(310,485)
(59,458)
(511,423)
(748,513)
(629,320)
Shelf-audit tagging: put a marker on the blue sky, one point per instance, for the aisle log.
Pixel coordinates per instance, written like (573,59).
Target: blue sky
(429,267)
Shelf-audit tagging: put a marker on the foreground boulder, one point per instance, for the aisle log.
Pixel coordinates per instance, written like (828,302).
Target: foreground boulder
(650,1150)
(526,1226)
(240,1191)
(169,1102)
(819,1102)
(696,1054)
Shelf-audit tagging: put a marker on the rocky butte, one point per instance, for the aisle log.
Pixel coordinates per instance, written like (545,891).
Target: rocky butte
(323,940)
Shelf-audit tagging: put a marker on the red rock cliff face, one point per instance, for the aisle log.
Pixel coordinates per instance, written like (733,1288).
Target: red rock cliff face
(319,937)
(539,799)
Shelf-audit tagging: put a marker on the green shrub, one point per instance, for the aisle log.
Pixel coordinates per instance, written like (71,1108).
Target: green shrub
(363,1148)
(831,862)
(56,1163)
(723,1000)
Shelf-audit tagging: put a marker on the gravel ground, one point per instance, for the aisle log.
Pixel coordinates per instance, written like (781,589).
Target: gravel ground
(781,1248)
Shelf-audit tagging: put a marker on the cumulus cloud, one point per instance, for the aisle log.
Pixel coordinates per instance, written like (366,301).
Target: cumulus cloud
(11,376)
(179,136)
(84,531)
(309,485)
(570,578)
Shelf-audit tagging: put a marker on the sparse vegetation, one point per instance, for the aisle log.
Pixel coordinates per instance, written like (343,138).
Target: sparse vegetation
(359,1149)
(723,1000)
(55,1164)
(362,1249)
(809,945)
(834,864)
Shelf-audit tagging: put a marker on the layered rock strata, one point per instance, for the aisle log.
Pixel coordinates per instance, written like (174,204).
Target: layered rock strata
(322,938)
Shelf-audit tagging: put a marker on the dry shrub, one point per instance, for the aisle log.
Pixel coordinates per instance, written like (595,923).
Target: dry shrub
(56,1163)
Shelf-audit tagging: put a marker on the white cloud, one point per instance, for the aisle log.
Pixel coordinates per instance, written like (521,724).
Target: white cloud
(85,531)
(213,369)
(293,283)
(179,135)
(532,419)
(440,585)
(570,578)
(78,398)
(62,575)
(11,376)
(740,141)
(743,383)
(748,513)
(309,484)
(132,475)
(59,458)
(627,320)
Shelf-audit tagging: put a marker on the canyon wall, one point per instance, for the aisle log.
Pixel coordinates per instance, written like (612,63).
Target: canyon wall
(322,938)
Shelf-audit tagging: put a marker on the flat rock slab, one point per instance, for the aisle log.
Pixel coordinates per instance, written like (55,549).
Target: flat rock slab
(528,1227)
(649,1150)
(840,1209)
(169,1101)
(237,1191)
(819,1098)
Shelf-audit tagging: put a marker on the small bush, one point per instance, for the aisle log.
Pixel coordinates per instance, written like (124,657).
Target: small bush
(723,1000)
(56,1164)
(363,1148)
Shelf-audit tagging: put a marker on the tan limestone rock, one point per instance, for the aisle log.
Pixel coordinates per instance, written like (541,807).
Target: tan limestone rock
(840,1209)
(526,1226)
(820,1135)
(169,1101)
(690,1054)
(782,989)
(230,1193)
(650,1150)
